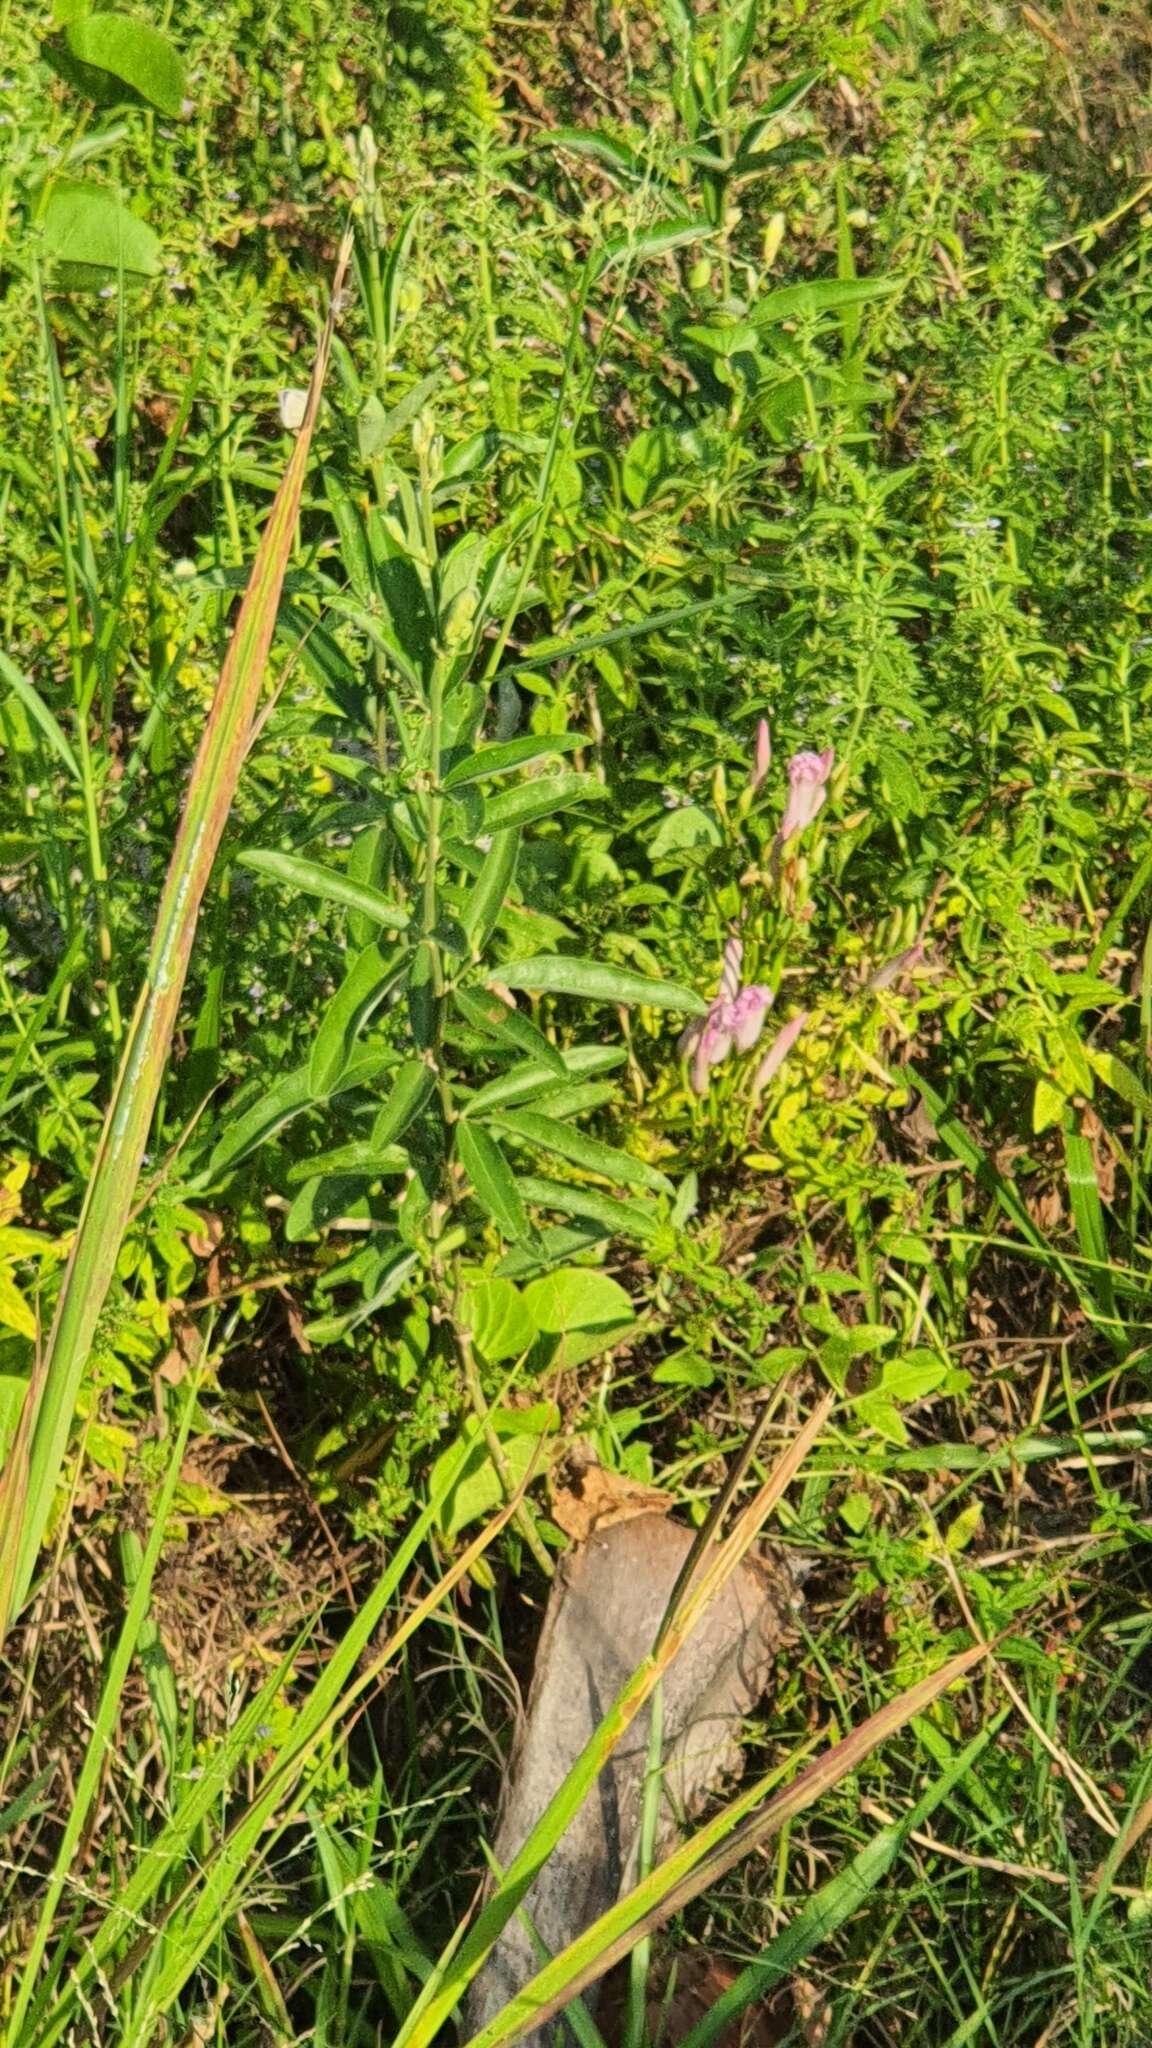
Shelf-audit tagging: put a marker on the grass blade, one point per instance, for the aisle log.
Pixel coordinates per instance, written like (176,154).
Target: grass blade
(711,1853)
(26,1494)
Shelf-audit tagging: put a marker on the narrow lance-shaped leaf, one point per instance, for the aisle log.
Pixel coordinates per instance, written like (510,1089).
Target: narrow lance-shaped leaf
(492,1178)
(551,1135)
(312,878)
(486,896)
(561,975)
(111,1189)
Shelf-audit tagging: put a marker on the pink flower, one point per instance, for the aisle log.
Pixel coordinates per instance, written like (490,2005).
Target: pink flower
(778,1052)
(807,790)
(747,1014)
(713,1045)
(730,972)
(763,760)
(735,1017)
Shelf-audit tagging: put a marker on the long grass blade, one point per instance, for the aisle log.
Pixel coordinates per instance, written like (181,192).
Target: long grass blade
(711,1853)
(456,1970)
(28,1483)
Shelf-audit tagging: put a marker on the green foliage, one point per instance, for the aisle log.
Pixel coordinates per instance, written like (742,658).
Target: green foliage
(728,365)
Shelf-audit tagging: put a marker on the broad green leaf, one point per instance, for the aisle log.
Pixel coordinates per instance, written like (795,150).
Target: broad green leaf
(880,1412)
(283,1101)
(288,1096)
(499,1318)
(560,974)
(488,1014)
(1122,1081)
(577,1298)
(93,240)
(15,1312)
(125,58)
(601,148)
(311,878)
(549,1134)
(364,986)
(379,424)
(480,1488)
(649,458)
(1048,1105)
(492,1179)
(500,760)
(541,797)
(397,1272)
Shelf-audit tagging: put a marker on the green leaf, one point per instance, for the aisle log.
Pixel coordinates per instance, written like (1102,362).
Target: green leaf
(548,1134)
(363,1160)
(601,148)
(128,59)
(93,240)
(480,1487)
(508,1027)
(398,1270)
(822,295)
(499,1318)
(909,1378)
(492,1179)
(498,760)
(882,1415)
(486,896)
(562,975)
(286,1099)
(1048,1105)
(657,241)
(1122,1081)
(623,1219)
(410,1090)
(311,878)
(40,715)
(320,1201)
(541,797)
(856,1512)
(649,458)
(529,1078)
(363,987)
(580,1313)
(378,425)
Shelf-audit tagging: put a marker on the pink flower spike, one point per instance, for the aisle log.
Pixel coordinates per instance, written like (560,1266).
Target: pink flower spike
(778,1052)
(763,760)
(730,973)
(714,1045)
(748,1013)
(807,790)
